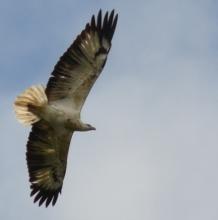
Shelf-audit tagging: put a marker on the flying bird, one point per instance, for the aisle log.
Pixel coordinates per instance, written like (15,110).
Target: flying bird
(54,111)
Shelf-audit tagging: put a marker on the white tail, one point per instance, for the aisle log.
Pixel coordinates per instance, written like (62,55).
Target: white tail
(35,97)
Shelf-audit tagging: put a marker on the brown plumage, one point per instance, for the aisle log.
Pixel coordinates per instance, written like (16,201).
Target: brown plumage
(54,113)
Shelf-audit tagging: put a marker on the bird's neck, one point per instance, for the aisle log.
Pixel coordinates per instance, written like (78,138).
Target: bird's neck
(76,125)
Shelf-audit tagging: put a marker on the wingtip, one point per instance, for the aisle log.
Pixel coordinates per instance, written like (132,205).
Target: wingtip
(112,12)
(115,22)
(93,21)
(104,23)
(115,14)
(106,16)
(99,19)
(44,197)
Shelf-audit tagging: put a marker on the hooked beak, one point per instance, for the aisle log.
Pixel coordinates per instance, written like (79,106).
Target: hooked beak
(93,128)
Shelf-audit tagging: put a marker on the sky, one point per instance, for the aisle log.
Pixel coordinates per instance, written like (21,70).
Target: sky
(155,107)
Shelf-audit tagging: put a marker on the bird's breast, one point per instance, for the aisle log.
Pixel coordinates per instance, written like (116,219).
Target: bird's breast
(60,116)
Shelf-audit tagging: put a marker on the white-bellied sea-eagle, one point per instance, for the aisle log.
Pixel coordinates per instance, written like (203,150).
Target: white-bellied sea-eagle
(54,111)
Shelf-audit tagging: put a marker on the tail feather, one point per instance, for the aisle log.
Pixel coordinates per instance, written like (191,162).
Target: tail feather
(32,97)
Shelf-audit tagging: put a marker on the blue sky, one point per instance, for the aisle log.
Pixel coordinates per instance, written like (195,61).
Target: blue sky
(155,107)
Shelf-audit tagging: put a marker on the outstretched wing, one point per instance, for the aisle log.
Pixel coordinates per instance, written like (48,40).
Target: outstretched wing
(47,151)
(79,67)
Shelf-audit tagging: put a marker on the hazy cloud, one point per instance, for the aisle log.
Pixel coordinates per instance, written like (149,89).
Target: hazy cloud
(154,154)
